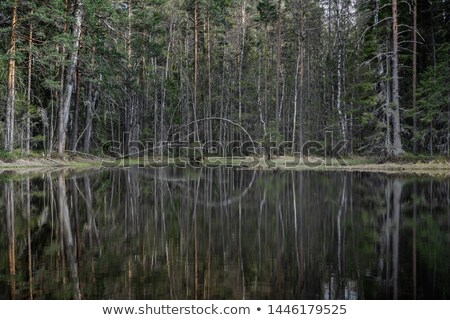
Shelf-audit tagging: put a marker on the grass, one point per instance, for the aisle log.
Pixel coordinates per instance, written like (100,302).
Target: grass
(14,155)
(17,159)
(408,163)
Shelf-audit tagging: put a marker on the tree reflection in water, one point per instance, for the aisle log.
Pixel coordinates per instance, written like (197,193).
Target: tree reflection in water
(224,234)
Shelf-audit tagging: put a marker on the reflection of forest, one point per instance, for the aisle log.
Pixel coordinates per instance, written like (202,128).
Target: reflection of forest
(225,234)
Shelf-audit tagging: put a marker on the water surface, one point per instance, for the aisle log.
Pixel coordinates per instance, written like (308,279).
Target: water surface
(223,233)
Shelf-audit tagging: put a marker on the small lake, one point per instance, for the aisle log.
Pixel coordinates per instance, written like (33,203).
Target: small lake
(173,233)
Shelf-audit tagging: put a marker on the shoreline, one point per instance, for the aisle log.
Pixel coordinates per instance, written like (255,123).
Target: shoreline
(355,164)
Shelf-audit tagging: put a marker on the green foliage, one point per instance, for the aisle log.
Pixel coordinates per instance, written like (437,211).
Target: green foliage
(433,101)
(267,11)
(10,156)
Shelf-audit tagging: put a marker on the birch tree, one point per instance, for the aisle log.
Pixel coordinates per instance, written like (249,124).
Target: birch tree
(69,78)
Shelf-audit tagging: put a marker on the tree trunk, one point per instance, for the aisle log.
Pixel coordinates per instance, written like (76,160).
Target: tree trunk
(30,66)
(68,84)
(11,84)
(397,146)
(60,94)
(187,108)
(414,76)
(209,115)
(340,76)
(383,97)
(278,67)
(241,57)
(128,38)
(77,110)
(298,87)
(297,69)
(266,71)
(163,89)
(90,104)
(222,92)
(342,118)
(433,45)
(129,107)
(194,98)
(388,140)
(155,105)
(258,90)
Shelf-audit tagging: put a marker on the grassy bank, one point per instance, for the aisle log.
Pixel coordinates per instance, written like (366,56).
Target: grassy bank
(407,164)
(439,166)
(17,160)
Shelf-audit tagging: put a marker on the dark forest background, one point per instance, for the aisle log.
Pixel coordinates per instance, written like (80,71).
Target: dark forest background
(75,74)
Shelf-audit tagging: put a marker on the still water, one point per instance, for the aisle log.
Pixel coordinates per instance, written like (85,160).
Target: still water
(223,234)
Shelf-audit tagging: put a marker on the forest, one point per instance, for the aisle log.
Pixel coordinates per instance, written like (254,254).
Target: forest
(78,74)
(104,80)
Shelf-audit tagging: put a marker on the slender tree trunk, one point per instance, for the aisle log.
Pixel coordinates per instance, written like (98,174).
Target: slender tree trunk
(194,98)
(155,105)
(258,91)
(222,93)
(339,107)
(278,66)
(60,94)
(129,27)
(397,146)
(383,84)
(266,71)
(163,89)
(241,57)
(188,94)
(210,130)
(51,129)
(340,74)
(433,44)
(298,86)
(68,84)
(414,75)
(129,100)
(30,66)
(301,83)
(90,104)
(77,110)
(388,140)
(11,84)
(285,121)
(297,70)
